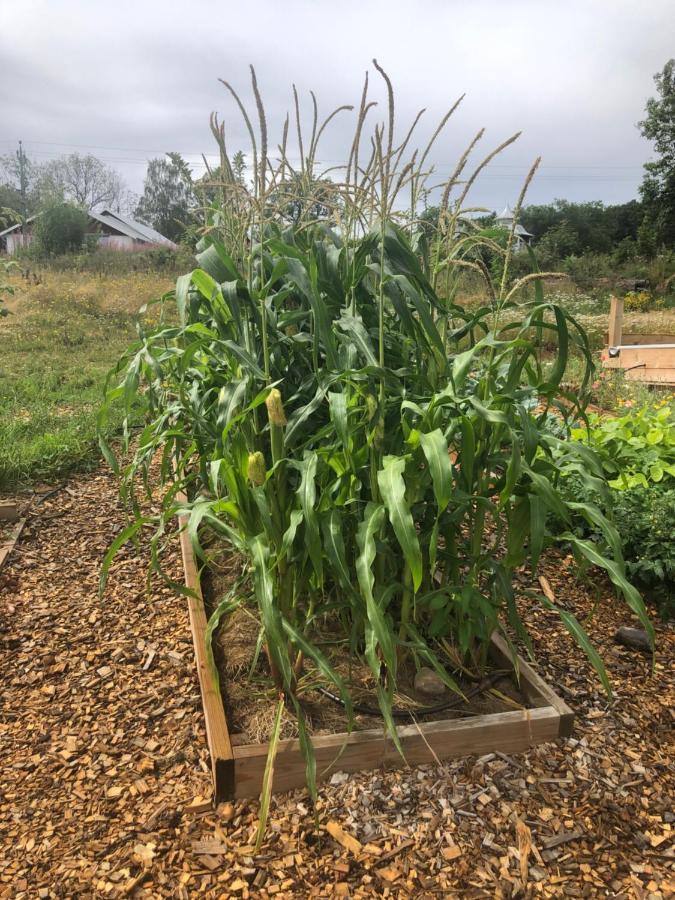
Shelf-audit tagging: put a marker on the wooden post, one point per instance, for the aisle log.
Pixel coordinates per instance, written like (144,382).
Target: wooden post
(9,511)
(8,546)
(615,321)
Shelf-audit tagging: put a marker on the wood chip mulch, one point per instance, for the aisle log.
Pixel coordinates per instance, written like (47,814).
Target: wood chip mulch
(104,788)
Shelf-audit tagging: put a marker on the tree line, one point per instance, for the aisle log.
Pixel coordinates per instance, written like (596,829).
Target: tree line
(637,228)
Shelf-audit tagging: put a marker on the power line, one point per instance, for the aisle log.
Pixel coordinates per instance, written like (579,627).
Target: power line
(518,174)
(575,166)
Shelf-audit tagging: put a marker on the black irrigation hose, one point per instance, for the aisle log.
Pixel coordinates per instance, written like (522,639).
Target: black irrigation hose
(42,497)
(365,710)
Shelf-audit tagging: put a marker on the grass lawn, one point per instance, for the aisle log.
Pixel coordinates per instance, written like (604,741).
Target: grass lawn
(56,348)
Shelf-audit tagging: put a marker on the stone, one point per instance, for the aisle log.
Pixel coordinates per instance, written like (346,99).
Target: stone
(429,684)
(637,638)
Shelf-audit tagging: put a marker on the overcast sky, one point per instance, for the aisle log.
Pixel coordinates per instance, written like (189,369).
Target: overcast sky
(129,80)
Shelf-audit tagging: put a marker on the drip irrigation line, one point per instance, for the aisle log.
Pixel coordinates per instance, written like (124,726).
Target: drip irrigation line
(364,709)
(42,497)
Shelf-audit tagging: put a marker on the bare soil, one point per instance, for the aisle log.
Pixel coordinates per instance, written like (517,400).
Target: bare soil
(250,698)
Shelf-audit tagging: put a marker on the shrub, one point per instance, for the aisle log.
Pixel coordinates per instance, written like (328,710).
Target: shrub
(645,519)
(638,301)
(5,288)
(636,449)
(60,228)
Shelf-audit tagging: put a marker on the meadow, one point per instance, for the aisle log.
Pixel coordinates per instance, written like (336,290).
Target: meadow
(57,344)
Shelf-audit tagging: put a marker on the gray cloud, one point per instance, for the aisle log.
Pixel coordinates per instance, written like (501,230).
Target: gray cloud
(129,80)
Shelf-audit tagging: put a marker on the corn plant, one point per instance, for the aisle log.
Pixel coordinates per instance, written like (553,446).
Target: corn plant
(373,450)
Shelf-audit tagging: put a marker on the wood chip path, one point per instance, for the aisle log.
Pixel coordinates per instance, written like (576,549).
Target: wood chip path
(104,779)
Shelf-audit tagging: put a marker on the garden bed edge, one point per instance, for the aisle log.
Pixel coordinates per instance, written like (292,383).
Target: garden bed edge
(237,771)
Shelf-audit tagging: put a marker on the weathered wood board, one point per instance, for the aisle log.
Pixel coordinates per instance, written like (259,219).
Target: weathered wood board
(9,511)
(8,545)
(217,733)
(649,358)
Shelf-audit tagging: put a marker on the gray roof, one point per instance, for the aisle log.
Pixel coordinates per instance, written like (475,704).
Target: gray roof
(506,217)
(130,227)
(18,225)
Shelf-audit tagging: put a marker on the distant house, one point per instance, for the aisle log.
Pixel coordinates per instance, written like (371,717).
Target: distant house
(505,220)
(112,229)
(120,232)
(15,237)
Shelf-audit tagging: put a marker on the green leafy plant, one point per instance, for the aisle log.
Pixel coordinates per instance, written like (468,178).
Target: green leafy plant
(372,449)
(644,518)
(5,286)
(60,228)
(636,449)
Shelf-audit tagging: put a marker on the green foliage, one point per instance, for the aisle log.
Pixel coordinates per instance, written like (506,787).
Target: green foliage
(104,261)
(60,228)
(297,200)
(8,216)
(571,229)
(373,449)
(637,449)
(5,287)
(168,199)
(645,520)
(55,356)
(625,251)
(353,460)
(658,186)
(638,456)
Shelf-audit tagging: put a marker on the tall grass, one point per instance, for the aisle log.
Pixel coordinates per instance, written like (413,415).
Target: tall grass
(376,452)
(56,348)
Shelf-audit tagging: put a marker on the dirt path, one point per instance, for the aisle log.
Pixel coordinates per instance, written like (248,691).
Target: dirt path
(104,762)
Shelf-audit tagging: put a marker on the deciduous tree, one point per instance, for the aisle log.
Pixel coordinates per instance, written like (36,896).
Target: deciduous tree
(60,228)
(658,186)
(168,199)
(83,180)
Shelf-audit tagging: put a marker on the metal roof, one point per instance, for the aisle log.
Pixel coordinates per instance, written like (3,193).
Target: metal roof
(123,224)
(18,225)
(507,215)
(130,227)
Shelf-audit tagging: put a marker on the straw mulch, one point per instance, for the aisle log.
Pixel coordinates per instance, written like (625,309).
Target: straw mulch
(105,784)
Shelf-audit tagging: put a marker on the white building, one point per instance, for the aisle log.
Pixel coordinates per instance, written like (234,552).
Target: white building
(505,219)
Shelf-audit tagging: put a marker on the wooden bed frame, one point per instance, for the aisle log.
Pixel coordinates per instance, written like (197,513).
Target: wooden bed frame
(10,512)
(238,770)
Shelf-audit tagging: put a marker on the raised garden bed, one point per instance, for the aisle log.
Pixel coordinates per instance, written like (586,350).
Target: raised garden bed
(238,770)
(11,526)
